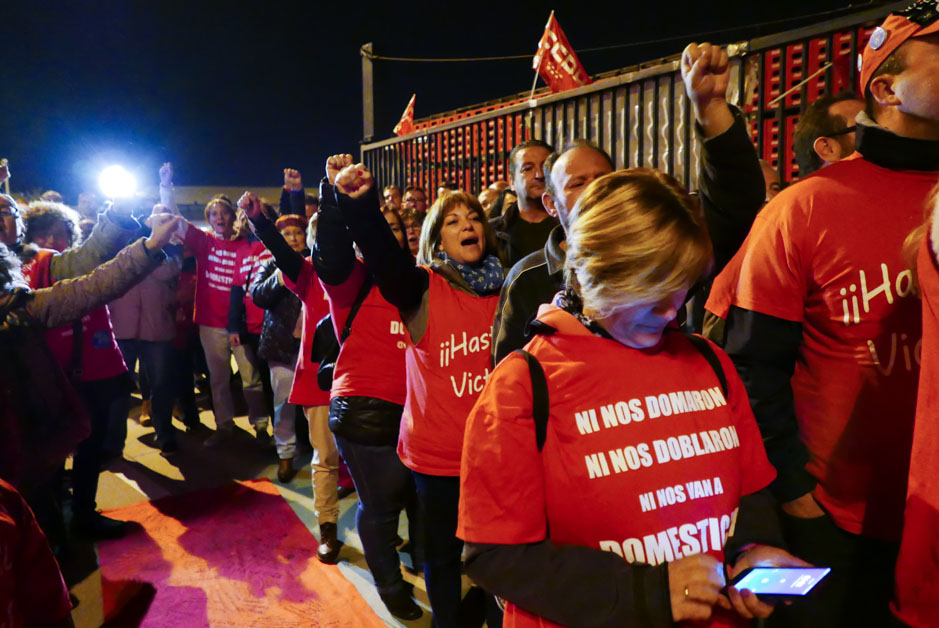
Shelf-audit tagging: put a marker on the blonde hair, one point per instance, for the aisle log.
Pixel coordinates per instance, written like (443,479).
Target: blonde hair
(915,238)
(433,223)
(222,201)
(635,236)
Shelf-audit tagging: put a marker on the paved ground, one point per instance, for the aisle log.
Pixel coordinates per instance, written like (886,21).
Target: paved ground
(143,474)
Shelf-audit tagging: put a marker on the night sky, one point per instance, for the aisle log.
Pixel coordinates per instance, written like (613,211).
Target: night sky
(234,92)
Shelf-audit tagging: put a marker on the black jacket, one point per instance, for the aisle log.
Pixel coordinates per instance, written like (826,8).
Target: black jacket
(362,420)
(282,311)
(509,250)
(731,190)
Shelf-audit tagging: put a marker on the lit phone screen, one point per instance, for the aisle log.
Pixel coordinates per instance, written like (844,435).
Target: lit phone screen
(782,580)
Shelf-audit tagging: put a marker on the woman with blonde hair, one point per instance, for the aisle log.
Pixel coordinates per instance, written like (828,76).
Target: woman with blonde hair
(612,468)
(219,256)
(447,303)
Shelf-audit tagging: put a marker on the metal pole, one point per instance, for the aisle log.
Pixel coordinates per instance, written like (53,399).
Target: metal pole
(368,94)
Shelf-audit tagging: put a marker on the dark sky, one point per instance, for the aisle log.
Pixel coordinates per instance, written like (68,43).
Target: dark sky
(234,92)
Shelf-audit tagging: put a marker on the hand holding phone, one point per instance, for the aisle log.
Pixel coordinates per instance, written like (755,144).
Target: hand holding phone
(780,582)
(742,596)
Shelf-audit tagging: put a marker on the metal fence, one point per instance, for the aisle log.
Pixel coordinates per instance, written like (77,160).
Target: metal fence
(641,117)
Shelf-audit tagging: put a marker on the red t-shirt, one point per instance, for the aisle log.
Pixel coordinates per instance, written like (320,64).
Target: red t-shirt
(371,360)
(305,390)
(446,371)
(917,584)
(32,591)
(101,358)
(218,262)
(829,257)
(250,266)
(644,456)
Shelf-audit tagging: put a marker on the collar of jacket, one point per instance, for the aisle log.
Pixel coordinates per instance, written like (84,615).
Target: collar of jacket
(886,149)
(553,253)
(507,219)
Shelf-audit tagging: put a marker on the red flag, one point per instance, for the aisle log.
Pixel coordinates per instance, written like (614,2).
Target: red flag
(556,61)
(406,123)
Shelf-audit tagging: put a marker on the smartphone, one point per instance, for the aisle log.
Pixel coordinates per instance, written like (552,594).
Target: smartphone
(780,582)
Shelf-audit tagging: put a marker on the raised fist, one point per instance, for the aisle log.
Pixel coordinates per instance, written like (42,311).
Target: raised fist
(292,180)
(164,227)
(166,174)
(4,171)
(336,163)
(354,181)
(250,204)
(706,72)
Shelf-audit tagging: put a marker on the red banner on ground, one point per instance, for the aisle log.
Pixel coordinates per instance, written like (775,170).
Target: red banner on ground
(556,61)
(406,123)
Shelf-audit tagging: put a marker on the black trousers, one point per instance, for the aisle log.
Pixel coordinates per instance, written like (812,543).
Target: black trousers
(98,396)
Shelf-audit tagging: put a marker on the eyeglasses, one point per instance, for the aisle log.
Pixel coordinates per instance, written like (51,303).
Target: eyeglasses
(850,129)
(8,212)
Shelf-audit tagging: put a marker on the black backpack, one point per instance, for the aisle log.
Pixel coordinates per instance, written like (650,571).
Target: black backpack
(325,346)
(539,385)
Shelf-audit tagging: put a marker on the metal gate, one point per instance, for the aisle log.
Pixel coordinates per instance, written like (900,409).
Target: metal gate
(640,116)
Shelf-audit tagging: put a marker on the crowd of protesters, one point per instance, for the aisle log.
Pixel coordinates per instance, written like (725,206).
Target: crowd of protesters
(522,371)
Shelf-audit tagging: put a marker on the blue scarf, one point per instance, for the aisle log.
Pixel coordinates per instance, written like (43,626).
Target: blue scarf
(484,277)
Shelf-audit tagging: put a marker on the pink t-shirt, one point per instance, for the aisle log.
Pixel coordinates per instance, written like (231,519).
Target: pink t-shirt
(218,262)
(100,357)
(305,391)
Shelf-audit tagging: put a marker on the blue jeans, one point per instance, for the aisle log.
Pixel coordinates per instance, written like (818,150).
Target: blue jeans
(439,498)
(384,487)
(157,361)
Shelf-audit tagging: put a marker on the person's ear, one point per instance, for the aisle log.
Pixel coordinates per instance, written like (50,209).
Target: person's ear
(882,90)
(548,203)
(827,149)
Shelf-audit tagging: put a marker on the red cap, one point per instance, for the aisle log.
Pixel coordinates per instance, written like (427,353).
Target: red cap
(917,20)
(291,220)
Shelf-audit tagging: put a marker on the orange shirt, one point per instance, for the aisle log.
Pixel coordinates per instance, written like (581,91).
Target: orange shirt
(644,455)
(917,584)
(371,360)
(829,257)
(446,371)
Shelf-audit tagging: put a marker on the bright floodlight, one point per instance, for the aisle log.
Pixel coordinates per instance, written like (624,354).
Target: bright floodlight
(115,182)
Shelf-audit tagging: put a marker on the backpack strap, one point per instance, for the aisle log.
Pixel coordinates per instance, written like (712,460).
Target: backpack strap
(704,347)
(360,297)
(539,393)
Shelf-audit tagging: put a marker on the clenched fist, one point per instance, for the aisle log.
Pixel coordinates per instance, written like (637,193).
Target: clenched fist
(354,181)
(335,164)
(292,180)
(250,205)
(706,72)
(166,174)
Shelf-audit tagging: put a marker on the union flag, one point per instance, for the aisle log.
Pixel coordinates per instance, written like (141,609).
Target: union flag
(406,123)
(556,61)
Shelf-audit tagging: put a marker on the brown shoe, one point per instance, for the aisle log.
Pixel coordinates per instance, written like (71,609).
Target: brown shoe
(285,471)
(328,551)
